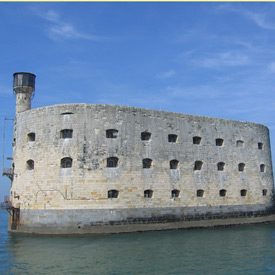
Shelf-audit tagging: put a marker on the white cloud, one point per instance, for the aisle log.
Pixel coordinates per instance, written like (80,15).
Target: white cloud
(58,28)
(166,75)
(225,59)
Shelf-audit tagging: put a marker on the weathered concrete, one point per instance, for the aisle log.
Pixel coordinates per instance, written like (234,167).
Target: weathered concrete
(49,188)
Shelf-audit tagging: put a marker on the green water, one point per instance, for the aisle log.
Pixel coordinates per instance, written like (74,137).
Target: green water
(235,250)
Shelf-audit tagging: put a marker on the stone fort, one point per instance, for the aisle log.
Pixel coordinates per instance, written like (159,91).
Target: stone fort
(93,169)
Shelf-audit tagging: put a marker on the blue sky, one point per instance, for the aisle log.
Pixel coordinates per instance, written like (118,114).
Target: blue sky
(210,59)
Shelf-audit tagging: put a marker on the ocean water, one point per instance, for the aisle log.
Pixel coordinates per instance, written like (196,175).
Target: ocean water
(233,250)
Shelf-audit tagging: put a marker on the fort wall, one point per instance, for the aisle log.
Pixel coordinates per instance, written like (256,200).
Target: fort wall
(64,160)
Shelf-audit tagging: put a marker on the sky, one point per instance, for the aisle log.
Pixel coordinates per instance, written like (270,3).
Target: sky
(211,59)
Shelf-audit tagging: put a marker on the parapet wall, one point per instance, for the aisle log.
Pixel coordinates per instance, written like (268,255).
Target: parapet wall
(50,185)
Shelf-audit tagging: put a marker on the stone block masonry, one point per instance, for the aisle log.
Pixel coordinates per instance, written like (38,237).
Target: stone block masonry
(94,166)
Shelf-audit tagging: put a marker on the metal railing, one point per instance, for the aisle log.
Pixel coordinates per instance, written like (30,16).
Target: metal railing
(8,172)
(6,205)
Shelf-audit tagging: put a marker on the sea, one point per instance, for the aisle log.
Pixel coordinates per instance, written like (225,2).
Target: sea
(232,250)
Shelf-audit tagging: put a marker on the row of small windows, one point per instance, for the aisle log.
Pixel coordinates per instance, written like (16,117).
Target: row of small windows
(146,136)
(112,162)
(176,193)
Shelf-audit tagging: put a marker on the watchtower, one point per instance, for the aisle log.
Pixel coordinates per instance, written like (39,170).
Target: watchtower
(23,87)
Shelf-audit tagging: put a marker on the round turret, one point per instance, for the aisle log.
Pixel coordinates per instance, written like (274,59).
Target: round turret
(24,87)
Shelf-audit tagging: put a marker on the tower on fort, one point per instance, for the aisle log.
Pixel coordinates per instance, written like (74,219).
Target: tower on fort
(23,87)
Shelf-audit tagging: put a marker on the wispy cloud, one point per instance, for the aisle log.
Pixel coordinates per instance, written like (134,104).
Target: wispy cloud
(57,27)
(166,75)
(224,59)
(271,67)
(262,18)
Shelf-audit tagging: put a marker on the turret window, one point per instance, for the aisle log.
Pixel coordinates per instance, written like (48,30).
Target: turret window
(262,168)
(175,193)
(146,163)
(30,164)
(243,192)
(112,162)
(264,192)
(148,193)
(196,140)
(172,138)
(198,165)
(219,142)
(113,194)
(31,137)
(66,133)
(200,193)
(66,163)
(146,136)
(174,164)
(111,133)
(241,167)
(260,146)
(221,166)
(222,193)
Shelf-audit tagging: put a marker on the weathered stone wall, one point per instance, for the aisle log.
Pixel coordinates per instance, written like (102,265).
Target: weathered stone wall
(85,185)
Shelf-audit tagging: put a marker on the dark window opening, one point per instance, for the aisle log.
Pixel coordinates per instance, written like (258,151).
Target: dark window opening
(221,166)
(175,193)
(111,133)
(200,193)
(148,193)
(260,146)
(66,113)
(264,192)
(31,137)
(66,163)
(219,142)
(66,133)
(241,167)
(146,163)
(240,143)
(243,192)
(145,136)
(262,168)
(198,165)
(112,162)
(222,193)
(113,194)
(172,138)
(30,164)
(174,164)
(196,140)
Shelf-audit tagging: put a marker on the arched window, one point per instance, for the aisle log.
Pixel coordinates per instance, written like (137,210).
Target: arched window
(145,136)
(219,142)
(172,138)
(112,162)
(148,193)
(31,137)
(262,168)
(196,140)
(243,192)
(198,165)
(241,167)
(146,163)
(30,164)
(175,193)
(200,193)
(174,164)
(222,193)
(111,133)
(220,166)
(66,163)
(66,133)
(264,192)
(260,146)
(113,194)
(240,143)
